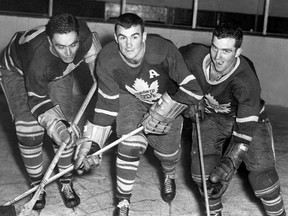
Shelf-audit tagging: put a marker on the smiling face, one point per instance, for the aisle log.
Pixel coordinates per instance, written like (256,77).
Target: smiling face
(65,46)
(223,54)
(131,42)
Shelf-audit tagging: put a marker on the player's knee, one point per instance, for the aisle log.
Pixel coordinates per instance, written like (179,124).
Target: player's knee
(29,133)
(134,146)
(30,140)
(264,183)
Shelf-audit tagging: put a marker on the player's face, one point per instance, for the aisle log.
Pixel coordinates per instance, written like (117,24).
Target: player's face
(131,43)
(65,46)
(223,54)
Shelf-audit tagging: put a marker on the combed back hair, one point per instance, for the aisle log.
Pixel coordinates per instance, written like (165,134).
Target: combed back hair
(229,30)
(62,24)
(127,20)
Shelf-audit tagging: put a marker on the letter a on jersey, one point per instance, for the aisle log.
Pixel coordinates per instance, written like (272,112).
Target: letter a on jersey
(152,74)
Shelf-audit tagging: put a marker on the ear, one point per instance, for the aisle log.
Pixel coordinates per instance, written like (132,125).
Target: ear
(49,40)
(238,52)
(144,36)
(115,37)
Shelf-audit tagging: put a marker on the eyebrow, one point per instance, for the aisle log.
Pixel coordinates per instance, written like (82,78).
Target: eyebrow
(76,41)
(226,49)
(137,33)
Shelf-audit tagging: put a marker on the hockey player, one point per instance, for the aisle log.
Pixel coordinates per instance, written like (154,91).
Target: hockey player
(36,77)
(143,80)
(233,110)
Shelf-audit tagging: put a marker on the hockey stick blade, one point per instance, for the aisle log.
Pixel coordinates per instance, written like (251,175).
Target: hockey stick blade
(69,169)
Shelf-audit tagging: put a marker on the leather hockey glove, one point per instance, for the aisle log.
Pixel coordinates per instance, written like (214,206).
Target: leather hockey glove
(161,114)
(191,111)
(222,174)
(58,128)
(94,139)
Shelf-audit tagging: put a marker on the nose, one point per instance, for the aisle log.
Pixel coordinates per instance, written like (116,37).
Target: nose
(129,42)
(218,54)
(68,51)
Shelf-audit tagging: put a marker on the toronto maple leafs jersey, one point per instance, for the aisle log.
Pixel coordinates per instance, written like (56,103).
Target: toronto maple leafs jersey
(28,54)
(161,70)
(236,94)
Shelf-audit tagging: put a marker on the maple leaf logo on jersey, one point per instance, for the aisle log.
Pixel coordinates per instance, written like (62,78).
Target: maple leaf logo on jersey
(212,103)
(145,93)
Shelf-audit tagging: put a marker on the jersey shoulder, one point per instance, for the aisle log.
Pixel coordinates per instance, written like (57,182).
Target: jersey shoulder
(194,52)
(84,31)
(246,68)
(158,48)
(245,76)
(109,55)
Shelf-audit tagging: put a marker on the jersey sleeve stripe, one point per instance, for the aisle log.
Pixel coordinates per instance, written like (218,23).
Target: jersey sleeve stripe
(114,114)
(242,136)
(40,104)
(9,62)
(35,95)
(113,97)
(198,97)
(247,119)
(187,79)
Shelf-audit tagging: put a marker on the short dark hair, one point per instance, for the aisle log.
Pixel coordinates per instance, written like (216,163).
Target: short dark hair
(127,20)
(62,24)
(229,30)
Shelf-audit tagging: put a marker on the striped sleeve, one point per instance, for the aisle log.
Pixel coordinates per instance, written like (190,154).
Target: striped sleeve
(247,93)
(189,91)
(107,105)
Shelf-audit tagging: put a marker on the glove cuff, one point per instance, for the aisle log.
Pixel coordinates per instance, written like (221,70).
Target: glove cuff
(54,114)
(96,133)
(237,152)
(167,108)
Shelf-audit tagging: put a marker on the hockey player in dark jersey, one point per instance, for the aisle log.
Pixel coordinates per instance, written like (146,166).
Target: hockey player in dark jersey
(36,78)
(234,114)
(142,80)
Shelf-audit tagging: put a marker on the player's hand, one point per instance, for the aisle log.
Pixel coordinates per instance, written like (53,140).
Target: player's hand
(61,132)
(161,114)
(85,159)
(191,111)
(222,174)
(155,125)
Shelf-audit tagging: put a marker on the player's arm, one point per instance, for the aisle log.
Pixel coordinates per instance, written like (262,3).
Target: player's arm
(247,117)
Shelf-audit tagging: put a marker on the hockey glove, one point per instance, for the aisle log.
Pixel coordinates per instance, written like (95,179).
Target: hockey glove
(95,136)
(161,114)
(58,128)
(222,174)
(191,111)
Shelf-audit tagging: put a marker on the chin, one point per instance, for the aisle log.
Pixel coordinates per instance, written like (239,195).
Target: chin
(67,61)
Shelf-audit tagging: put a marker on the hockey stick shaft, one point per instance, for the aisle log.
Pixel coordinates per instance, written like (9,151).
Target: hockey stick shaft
(202,164)
(69,169)
(85,104)
(28,206)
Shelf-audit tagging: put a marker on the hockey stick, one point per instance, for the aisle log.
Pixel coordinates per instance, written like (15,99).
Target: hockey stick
(27,208)
(69,169)
(202,164)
